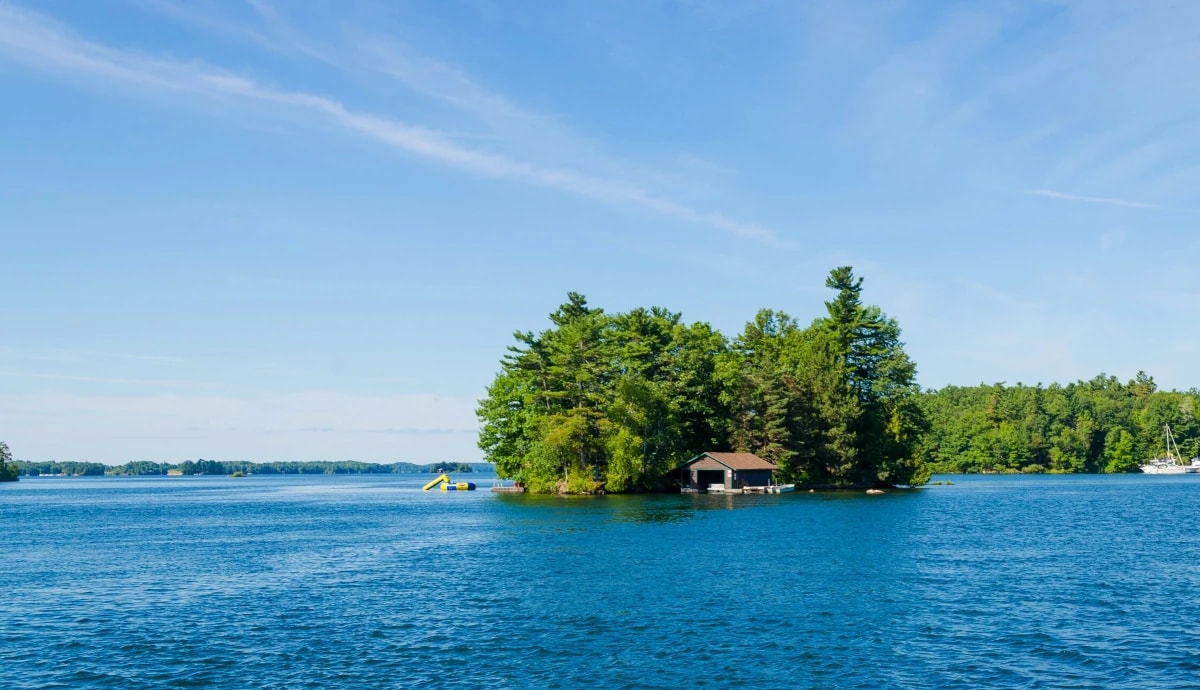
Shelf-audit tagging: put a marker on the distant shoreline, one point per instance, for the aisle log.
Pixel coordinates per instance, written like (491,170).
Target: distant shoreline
(226,468)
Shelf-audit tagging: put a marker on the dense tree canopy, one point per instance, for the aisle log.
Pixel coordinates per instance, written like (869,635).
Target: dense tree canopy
(602,399)
(617,400)
(1101,425)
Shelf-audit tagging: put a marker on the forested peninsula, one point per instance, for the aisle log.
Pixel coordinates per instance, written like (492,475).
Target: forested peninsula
(613,402)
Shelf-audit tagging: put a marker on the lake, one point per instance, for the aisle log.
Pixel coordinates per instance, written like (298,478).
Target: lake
(367,582)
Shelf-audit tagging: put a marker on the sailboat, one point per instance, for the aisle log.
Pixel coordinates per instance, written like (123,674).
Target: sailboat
(1172,462)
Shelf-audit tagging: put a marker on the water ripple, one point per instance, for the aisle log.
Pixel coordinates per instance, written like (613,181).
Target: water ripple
(317,582)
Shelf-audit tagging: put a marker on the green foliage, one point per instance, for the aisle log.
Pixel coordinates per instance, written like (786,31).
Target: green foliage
(1101,425)
(623,398)
(580,480)
(67,468)
(884,422)
(834,403)
(8,468)
(620,399)
(1118,451)
(541,470)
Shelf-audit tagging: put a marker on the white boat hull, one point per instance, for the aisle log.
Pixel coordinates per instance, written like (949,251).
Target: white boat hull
(1167,469)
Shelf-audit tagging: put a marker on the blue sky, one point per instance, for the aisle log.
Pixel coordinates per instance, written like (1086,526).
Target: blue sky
(252,229)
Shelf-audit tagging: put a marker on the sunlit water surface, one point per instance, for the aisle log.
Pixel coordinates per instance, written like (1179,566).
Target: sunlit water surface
(367,582)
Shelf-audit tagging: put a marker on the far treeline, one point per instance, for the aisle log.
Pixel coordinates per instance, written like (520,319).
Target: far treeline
(140,468)
(1101,425)
(613,402)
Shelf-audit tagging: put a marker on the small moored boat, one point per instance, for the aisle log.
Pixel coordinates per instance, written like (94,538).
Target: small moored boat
(1172,462)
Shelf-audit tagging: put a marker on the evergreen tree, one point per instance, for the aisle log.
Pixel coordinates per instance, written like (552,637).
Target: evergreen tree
(8,468)
(882,422)
(757,389)
(603,400)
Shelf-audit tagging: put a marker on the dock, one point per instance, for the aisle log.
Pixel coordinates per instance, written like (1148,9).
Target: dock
(514,488)
(721,489)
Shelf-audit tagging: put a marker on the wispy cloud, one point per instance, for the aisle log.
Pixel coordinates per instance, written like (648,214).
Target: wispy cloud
(1110,201)
(192,15)
(282,33)
(445,83)
(1014,84)
(46,44)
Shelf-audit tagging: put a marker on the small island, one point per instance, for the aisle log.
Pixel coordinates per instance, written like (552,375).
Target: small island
(605,402)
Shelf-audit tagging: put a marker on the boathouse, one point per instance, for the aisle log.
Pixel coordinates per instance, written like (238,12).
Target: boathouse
(724,473)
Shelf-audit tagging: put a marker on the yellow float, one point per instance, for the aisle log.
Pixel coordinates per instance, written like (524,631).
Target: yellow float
(448,484)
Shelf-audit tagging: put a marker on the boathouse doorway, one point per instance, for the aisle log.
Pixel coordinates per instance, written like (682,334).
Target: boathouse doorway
(705,478)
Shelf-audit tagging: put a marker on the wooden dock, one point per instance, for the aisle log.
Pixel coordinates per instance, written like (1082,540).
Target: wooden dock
(718,489)
(723,490)
(513,488)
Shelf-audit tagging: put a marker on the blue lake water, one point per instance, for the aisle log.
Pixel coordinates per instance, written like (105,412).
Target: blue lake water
(367,582)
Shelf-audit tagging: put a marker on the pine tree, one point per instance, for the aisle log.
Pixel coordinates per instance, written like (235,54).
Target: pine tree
(8,468)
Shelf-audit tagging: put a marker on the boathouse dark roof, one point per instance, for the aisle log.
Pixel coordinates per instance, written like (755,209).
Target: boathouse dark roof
(734,461)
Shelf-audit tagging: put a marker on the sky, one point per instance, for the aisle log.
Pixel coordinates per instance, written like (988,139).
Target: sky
(251,229)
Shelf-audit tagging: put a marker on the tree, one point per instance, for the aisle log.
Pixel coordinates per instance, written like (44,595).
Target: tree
(640,433)
(600,399)
(580,361)
(693,389)
(761,389)
(882,420)
(8,468)
(1118,452)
